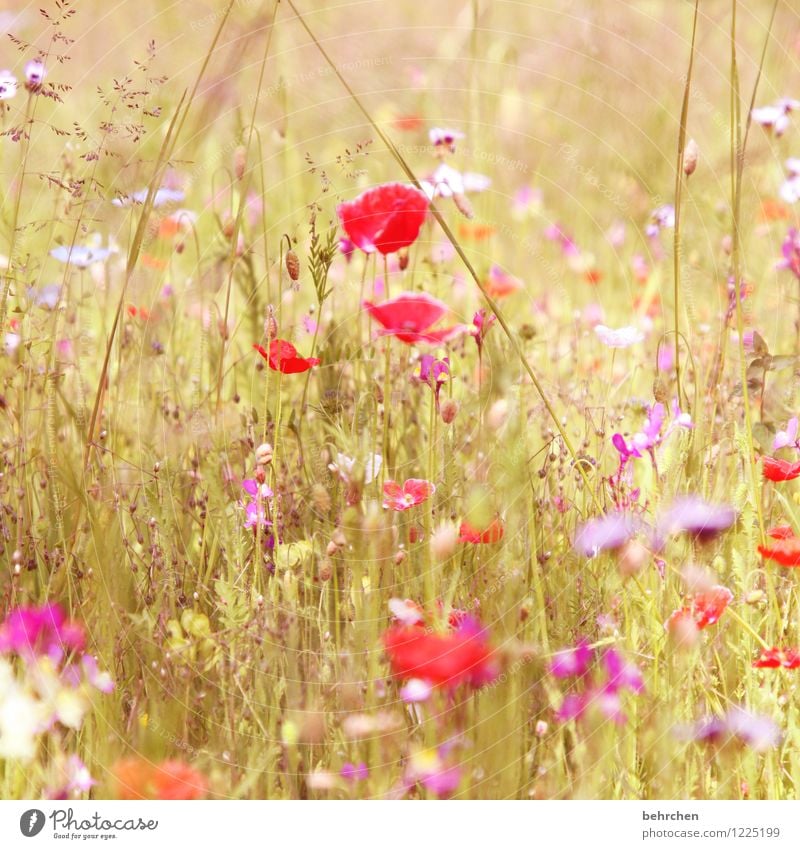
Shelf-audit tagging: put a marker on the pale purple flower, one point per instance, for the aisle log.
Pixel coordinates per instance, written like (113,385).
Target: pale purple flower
(444,138)
(416,690)
(80,256)
(8,85)
(46,297)
(346,247)
(446,181)
(623,337)
(692,515)
(783,438)
(101,681)
(34,74)
(662,217)
(775,117)
(604,533)
(737,725)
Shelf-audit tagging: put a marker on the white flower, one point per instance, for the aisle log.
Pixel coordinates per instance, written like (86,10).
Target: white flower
(447,181)
(8,85)
(80,256)
(776,116)
(162,197)
(624,337)
(34,74)
(21,718)
(344,467)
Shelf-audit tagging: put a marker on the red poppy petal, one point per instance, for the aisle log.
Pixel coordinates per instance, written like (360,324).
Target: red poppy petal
(781,532)
(779,470)
(410,312)
(785,551)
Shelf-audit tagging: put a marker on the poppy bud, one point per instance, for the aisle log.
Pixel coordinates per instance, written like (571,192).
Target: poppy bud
(660,390)
(498,413)
(325,571)
(228,227)
(399,558)
(632,557)
(449,410)
(690,154)
(402,258)
(339,538)
(239,161)
(264,454)
(293,265)
(270,325)
(332,549)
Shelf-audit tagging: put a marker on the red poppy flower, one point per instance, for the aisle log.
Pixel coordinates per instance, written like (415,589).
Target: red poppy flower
(781,532)
(409,317)
(785,551)
(414,491)
(385,218)
(775,658)
(282,357)
(780,470)
(492,533)
(463,656)
(703,609)
(138,779)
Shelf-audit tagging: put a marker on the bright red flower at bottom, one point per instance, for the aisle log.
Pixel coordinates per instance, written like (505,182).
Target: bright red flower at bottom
(775,658)
(463,656)
(138,779)
(703,609)
(282,356)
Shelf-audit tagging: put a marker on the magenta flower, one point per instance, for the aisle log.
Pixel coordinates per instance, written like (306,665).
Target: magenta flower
(572,662)
(41,631)
(255,510)
(791,252)
(622,673)
(354,772)
(482,323)
(433,373)
(555,233)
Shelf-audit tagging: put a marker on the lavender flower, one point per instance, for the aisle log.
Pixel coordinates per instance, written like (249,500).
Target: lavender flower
(624,337)
(8,85)
(784,438)
(775,117)
(692,515)
(604,533)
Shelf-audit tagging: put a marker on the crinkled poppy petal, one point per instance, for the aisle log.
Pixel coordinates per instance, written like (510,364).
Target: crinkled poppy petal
(781,532)
(417,489)
(707,607)
(385,218)
(780,470)
(786,552)
(410,312)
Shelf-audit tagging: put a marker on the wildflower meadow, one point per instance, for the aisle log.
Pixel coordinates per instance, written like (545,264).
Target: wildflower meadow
(400,401)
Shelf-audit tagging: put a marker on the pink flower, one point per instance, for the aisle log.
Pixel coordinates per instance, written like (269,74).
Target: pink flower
(783,438)
(413,492)
(775,117)
(40,631)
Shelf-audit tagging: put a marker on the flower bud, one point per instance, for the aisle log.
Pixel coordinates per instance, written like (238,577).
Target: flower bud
(239,161)
(444,541)
(264,454)
(449,410)
(292,265)
(690,154)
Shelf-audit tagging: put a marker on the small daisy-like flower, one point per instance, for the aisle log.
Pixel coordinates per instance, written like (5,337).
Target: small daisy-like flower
(8,85)
(34,74)
(80,256)
(775,117)
(445,138)
(623,337)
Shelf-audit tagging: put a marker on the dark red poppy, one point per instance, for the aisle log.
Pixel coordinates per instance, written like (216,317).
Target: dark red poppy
(385,218)
(463,656)
(282,356)
(780,470)
(409,317)
(493,532)
(702,609)
(785,551)
(776,658)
